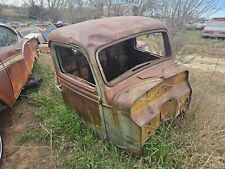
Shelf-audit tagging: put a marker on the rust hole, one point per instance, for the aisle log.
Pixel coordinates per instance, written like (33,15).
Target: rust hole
(149,132)
(170,100)
(149,124)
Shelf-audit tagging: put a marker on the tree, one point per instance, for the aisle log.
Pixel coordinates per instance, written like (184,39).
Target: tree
(177,11)
(35,7)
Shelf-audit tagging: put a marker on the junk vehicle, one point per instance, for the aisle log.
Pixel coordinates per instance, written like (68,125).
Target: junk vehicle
(17,56)
(215,29)
(117,87)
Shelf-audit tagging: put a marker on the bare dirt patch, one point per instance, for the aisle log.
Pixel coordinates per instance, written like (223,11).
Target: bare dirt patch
(16,122)
(204,63)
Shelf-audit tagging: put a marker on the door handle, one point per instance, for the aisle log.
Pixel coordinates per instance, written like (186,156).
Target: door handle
(59,87)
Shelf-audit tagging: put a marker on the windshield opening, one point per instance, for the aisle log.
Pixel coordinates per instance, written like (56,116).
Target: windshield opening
(133,54)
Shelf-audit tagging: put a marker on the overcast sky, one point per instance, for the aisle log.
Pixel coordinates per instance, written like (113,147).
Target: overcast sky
(220,3)
(13,2)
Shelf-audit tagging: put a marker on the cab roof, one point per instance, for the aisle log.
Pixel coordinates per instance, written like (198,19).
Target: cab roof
(90,35)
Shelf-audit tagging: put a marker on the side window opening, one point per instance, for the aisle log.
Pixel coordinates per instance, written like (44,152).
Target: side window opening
(73,62)
(131,54)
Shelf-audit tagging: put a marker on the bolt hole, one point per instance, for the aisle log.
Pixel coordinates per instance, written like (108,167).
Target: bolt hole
(170,100)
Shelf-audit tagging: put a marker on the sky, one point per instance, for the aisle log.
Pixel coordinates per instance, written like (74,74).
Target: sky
(221,12)
(220,4)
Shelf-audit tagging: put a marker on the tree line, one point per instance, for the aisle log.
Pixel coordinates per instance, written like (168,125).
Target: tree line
(175,12)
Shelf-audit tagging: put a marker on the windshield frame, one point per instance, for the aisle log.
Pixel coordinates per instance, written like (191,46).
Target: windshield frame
(129,73)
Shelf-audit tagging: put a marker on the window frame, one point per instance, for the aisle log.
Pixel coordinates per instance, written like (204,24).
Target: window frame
(13,32)
(125,75)
(71,76)
(166,54)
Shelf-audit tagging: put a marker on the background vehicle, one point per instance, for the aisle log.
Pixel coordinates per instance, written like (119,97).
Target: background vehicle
(14,25)
(189,26)
(215,28)
(17,56)
(30,32)
(62,23)
(118,87)
(199,25)
(43,48)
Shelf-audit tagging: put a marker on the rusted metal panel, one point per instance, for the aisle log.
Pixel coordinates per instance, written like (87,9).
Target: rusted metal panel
(85,101)
(130,109)
(104,31)
(6,92)
(19,64)
(16,67)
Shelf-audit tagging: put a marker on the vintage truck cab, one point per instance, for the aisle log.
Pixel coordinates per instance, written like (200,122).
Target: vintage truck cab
(118,74)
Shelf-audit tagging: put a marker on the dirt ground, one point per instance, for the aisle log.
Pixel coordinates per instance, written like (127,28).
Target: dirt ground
(14,123)
(204,63)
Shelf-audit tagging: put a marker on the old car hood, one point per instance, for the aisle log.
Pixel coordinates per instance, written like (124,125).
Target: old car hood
(147,79)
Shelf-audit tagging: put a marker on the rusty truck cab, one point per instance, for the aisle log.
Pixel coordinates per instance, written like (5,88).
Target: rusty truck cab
(118,85)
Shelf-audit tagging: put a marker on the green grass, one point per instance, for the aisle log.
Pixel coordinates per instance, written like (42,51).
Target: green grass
(76,146)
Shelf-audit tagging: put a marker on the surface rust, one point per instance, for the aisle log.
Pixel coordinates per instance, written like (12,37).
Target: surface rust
(128,111)
(16,64)
(90,35)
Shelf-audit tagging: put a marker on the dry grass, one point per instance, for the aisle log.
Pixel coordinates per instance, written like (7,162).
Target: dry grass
(205,126)
(192,42)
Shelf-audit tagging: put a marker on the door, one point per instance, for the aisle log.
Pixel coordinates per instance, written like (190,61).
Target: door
(6,92)
(7,38)
(77,85)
